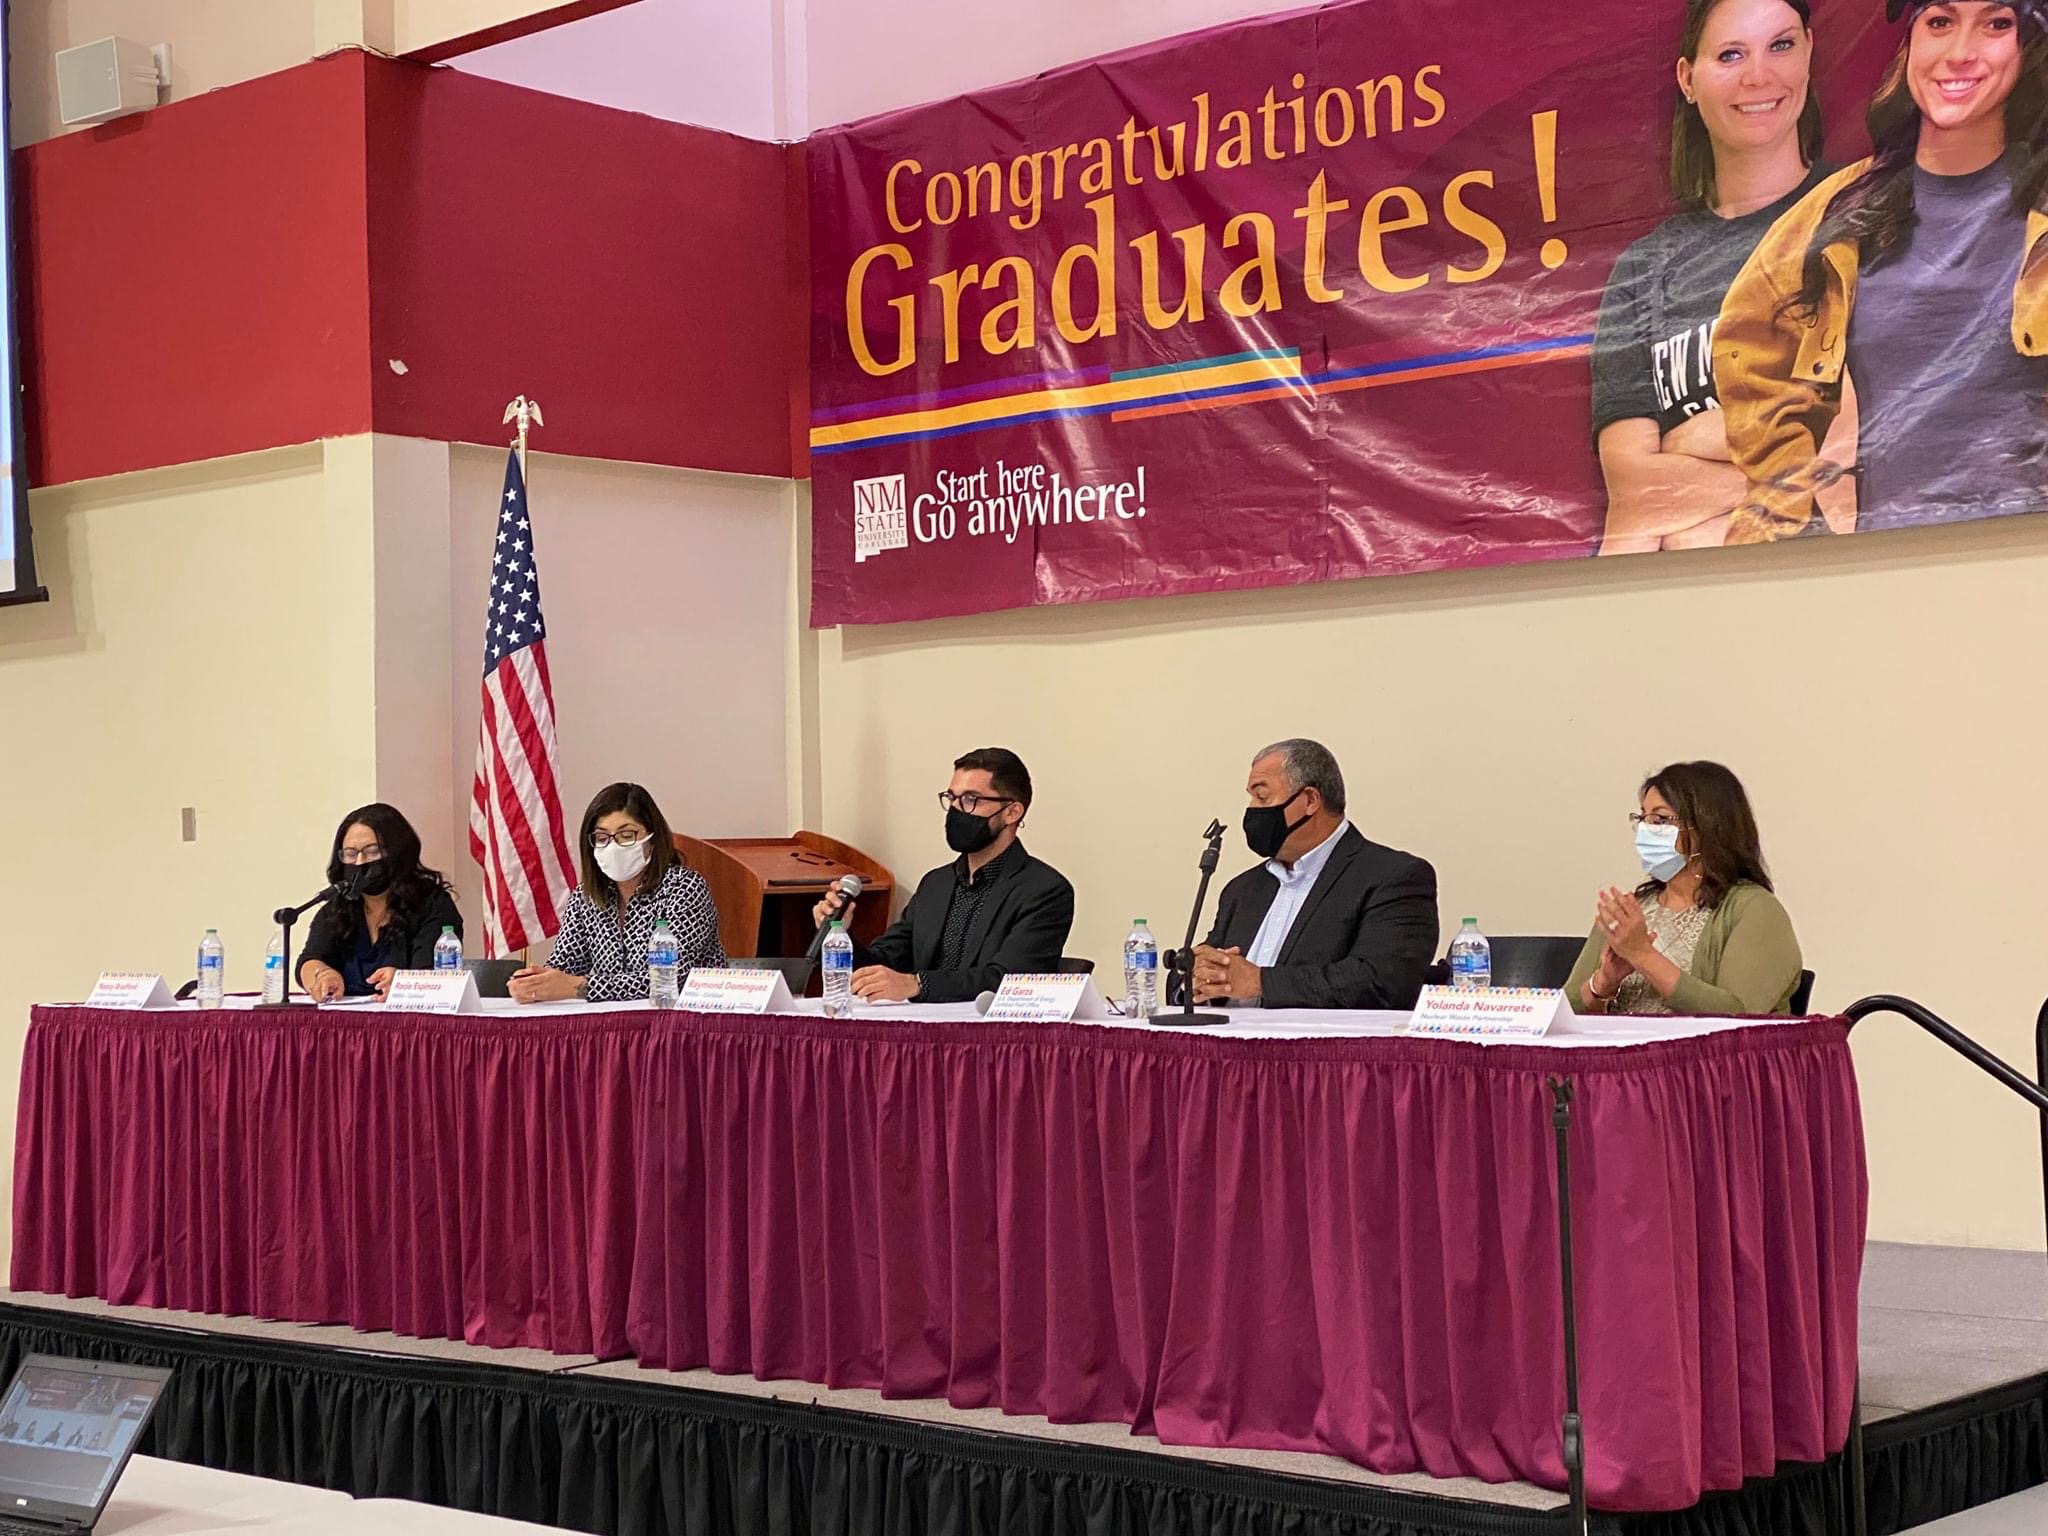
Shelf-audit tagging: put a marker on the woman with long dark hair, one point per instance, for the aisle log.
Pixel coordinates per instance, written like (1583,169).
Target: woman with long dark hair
(1704,933)
(1920,277)
(1745,146)
(390,911)
(633,879)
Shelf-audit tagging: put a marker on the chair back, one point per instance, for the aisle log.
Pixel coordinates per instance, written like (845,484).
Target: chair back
(1521,960)
(1802,995)
(1073,965)
(796,970)
(491,976)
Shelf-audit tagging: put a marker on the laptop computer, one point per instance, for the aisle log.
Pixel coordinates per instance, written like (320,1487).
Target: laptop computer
(67,1428)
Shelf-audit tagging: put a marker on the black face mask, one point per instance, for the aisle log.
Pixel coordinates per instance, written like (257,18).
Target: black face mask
(968,833)
(372,879)
(1266,827)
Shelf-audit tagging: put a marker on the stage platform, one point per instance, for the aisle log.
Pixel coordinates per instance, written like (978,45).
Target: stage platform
(1955,1385)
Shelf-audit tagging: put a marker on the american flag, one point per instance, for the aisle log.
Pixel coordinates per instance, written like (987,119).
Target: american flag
(515,810)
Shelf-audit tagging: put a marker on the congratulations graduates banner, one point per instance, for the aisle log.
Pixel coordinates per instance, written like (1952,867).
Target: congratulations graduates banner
(1399,285)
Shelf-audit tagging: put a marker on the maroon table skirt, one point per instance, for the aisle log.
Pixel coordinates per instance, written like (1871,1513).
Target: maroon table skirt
(1332,1245)
(436,1177)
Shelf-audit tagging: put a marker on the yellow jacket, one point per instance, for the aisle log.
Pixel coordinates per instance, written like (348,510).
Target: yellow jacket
(1779,376)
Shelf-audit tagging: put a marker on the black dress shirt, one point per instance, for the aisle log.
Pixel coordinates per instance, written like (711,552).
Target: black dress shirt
(961,939)
(970,890)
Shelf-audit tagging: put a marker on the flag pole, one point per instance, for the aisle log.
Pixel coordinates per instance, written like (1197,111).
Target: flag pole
(522,414)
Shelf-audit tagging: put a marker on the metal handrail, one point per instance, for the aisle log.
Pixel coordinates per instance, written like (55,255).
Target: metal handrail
(1992,1065)
(1956,1041)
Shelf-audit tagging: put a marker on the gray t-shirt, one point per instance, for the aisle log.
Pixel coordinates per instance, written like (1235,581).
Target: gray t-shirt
(1951,418)
(1653,354)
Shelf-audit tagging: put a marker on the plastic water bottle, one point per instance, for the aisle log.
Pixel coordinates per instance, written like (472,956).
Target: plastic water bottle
(447,950)
(1141,972)
(661,966)
(837,956)
(1471,958)
(213,969)
(273,971)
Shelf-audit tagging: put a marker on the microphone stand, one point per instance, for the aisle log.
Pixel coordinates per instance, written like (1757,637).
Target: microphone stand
(1184,960)
(284,917)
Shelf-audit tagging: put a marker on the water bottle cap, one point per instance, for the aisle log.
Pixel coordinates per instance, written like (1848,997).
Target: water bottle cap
(838,926)
(214,931)
(447,927)
(1471,922)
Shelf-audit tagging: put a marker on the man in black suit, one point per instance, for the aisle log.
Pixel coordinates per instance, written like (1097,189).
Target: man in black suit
(1330,920)
(993,911)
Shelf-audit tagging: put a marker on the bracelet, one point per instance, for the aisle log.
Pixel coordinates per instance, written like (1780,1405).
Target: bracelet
(1597,995)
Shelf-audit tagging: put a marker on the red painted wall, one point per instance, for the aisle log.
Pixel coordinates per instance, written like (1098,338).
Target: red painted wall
(240,270)
(632,275)
(192,279)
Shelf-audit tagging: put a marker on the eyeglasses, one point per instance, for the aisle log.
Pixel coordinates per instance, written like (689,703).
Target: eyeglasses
(369,855)
(971,802)
(1655,819)
(625,838)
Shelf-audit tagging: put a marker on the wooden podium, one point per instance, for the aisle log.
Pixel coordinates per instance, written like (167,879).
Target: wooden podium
(765,887)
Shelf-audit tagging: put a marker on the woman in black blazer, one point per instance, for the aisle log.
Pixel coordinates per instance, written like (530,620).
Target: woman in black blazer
(390,911)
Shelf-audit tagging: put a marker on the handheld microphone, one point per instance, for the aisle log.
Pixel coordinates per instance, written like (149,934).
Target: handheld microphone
(848,889)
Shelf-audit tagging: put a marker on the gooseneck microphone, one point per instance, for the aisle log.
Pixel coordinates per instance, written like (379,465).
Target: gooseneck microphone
(284,917)
(1181,962)
(848,890)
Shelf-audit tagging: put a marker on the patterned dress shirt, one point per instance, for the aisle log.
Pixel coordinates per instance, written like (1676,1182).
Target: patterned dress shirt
(968,896)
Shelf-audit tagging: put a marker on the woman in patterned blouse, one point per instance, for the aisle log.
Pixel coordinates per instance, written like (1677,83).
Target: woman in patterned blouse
(632,879)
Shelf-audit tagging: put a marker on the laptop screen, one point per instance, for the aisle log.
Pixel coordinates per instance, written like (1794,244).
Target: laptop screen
(66,1428)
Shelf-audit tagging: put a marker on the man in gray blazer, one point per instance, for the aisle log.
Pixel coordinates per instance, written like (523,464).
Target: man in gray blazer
(1331,919)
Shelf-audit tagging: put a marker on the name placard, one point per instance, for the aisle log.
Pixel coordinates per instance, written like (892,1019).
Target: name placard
(1489,1013)
(1048,999)
(711,991)
(130,989)
(433,992)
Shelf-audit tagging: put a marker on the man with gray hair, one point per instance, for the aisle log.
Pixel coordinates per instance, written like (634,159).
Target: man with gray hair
(1331,919)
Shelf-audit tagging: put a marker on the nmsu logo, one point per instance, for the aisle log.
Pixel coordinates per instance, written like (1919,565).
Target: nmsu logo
(880,518)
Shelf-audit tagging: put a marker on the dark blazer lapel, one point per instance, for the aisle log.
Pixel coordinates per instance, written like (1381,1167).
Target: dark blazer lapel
(1348,848)
(928,928)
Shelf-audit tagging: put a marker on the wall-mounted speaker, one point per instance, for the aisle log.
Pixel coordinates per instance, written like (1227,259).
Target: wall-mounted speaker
(110,78)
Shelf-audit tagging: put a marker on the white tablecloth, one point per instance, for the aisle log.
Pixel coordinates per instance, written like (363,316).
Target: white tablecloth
(1244,1023)
(170,1498)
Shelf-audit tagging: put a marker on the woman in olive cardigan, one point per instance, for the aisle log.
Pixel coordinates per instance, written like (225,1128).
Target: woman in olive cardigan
(1704,934)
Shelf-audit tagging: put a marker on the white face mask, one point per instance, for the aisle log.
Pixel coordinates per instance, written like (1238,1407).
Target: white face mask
(620,862)
(1657,847)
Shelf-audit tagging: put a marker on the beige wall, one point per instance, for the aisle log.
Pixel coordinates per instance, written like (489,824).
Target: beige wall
(274,639)
(669,604)
(191,656)
(1880,695)
(223,42)
(213,43)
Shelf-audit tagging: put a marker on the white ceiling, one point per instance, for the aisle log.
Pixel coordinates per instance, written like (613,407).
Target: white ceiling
(776,69)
